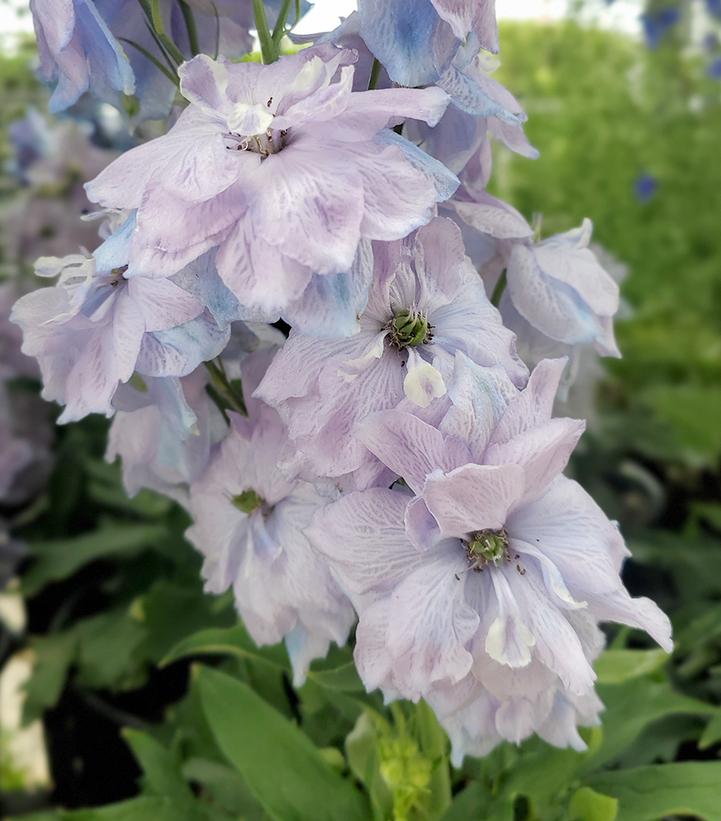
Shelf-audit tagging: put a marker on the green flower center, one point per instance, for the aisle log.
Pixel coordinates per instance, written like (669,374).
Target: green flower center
(487,547)
(248,501)
(408,329)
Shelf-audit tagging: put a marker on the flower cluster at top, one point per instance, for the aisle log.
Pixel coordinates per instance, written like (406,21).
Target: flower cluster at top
(315,328)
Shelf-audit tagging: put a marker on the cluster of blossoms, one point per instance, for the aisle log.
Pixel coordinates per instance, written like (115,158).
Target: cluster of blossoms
(393,458)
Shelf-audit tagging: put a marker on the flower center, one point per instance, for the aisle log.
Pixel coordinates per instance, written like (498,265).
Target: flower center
(408,329)
(248,501)
(486,547)
(117,275)
(270,142)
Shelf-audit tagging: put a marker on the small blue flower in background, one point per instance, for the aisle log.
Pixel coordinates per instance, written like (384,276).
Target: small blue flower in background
(645,187)
(714,69)
(711,41)
(657,23)
(714,7)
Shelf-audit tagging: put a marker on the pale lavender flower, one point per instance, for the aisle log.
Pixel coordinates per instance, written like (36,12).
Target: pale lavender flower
(284,169)
(164,428)
(249,524)
(163,431)
(78,52)
(489,576)
(13,362)
(559,299)
(426,302)
(96,326)
(100,46)
(418,40)
(559,295)
(484,720)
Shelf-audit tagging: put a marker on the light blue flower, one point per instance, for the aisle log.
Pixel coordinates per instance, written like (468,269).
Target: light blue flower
(417,40)
(78,52)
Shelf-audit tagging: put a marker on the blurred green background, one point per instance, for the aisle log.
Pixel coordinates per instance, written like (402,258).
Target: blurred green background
(629,136)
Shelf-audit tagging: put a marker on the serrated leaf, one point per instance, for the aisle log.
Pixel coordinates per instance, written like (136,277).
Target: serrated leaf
(283,769)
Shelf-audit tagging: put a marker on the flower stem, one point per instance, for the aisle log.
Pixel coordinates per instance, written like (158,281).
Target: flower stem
(154,60)
(192,29)
(499,289)
(156,19)
(375,74)
(267,45)
(227,394)
(279,30)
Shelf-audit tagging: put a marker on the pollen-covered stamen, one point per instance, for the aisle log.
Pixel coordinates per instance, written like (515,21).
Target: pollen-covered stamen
(408,329)
(248,501)
(117,275)
(487,547)
(271,142)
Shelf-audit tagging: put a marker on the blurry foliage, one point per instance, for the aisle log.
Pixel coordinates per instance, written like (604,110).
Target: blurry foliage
(124,636)
(604,112)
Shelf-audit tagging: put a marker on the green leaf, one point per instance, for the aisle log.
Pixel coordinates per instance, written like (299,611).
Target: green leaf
(617,666)
(434,743)
(283,769)
(631,707)
(231,641)
(693,412)
(138,809)
(224,786)
(172,612)
(267,45)
(58,559)
(649,793)
(53,656)
(162,773)
(108,650)
(589,805)
(478,803)
(362,752)
(344,679)
(712,733)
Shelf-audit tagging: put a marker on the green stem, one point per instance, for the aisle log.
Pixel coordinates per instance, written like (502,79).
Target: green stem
(192,29)
(499,289)
(221,388)
(279,30)
(154,60)
(267,45)
(156,19)
(375,74)
(161,48)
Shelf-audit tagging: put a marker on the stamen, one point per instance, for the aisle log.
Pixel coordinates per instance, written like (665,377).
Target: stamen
(271,142)
(487,547)
(408,329)
(248,501)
